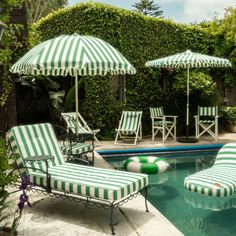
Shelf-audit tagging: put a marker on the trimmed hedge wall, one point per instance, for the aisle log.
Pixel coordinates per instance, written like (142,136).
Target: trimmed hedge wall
(139,39)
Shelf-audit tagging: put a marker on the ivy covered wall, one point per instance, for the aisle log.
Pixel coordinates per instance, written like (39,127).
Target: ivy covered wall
(139,39)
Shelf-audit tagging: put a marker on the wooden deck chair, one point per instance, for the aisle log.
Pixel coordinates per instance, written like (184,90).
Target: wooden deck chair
(130,126)
(38,154)
(83,128)
(218,180)
(160,122)
(206,121)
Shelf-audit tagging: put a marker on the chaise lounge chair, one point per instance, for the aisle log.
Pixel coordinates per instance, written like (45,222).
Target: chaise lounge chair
(130,126)
(38,154)
(83,128)
(220,179)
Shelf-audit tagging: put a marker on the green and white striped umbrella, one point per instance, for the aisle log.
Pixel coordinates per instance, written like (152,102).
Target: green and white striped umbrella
(188,60)
(74,55)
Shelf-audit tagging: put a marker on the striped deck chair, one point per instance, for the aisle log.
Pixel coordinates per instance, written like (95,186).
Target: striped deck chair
(206,121)
(160,122)
(38,154)
(130,126)
(83,128)
(220,179)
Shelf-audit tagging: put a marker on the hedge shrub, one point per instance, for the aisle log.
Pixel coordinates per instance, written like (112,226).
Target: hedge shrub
(139,38)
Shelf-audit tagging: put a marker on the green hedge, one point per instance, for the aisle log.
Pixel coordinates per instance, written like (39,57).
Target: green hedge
(139,39)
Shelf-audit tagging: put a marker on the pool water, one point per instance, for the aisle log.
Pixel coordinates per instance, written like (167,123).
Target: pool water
(193,214)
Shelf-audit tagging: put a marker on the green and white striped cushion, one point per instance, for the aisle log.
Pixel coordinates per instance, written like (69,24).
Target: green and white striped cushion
(207,111)
(159,123)
(35,140)
(156,111)
(219,180)
(130,122)
(77,148)
(91,181)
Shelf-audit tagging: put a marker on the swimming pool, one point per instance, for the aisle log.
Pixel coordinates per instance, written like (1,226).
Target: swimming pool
(193,214)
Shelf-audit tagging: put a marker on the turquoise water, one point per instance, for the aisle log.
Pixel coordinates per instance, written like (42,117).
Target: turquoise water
(193,214)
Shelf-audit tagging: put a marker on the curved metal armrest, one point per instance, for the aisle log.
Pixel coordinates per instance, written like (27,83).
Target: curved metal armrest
(39,158)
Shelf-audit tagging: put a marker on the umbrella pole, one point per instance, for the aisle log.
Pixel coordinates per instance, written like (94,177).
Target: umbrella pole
(187,108)
(187,139)
(76,104)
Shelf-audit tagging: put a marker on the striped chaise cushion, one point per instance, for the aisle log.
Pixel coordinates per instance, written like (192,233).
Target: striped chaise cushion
(219,180)
(91,181)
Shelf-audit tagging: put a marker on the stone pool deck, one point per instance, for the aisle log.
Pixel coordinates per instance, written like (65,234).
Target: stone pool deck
(50,216)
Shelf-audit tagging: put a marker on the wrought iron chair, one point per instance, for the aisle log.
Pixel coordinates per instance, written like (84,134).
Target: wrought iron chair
(160,122)
(82,126)
(206,121)
(38,155)
(130,126)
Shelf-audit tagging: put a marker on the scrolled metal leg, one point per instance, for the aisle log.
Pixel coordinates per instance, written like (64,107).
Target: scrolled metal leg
(111,220)
(146,193)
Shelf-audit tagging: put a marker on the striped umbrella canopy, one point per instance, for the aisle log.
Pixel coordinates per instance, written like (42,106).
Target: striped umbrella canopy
(74,55)
(188,60)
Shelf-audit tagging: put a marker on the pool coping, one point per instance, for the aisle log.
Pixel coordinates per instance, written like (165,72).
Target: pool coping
(160,149)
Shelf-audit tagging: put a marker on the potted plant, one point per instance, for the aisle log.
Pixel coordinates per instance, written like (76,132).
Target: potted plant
(228,118)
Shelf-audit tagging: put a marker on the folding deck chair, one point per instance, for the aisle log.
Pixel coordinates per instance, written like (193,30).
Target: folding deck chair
(220,179)
(130,126)
(206,121)
(83,128)
(38,154)
(160,122)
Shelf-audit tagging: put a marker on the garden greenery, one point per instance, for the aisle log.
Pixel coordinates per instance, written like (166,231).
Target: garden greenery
(139,38)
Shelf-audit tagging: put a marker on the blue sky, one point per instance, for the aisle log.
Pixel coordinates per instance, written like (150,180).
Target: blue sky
(183,11)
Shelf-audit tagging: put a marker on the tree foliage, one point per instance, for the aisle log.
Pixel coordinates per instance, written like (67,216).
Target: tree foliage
(121,28)
(224,31)
(9,45)
(148,8)
(37,9)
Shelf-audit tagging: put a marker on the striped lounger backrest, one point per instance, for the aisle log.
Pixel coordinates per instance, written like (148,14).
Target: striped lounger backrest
(227,156)
(130,121)
(35,140)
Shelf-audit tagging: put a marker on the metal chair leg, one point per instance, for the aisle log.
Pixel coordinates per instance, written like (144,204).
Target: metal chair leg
(146,193)
(111,220)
